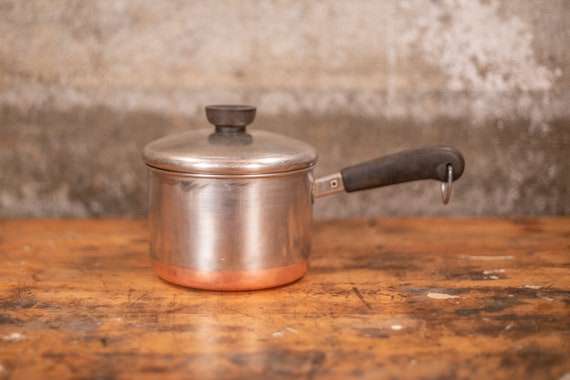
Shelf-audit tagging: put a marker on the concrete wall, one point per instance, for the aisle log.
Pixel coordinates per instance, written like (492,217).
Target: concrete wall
(84,85)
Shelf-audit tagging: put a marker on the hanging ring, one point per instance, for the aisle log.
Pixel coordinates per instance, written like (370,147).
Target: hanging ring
(446,186)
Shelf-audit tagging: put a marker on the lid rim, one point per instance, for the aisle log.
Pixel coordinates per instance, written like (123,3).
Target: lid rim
(230,175)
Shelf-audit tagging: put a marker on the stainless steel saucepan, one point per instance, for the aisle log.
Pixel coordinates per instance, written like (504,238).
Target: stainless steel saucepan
(231,209)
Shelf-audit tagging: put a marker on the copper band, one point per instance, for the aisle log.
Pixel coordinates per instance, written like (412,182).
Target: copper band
(230,281)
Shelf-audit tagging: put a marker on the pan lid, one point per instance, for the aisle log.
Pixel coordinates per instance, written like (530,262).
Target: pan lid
(229,148)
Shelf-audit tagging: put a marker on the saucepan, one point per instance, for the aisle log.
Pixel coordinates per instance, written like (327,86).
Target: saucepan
(231,209)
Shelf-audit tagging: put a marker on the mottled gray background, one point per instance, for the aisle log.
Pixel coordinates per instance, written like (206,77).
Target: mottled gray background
(84,85)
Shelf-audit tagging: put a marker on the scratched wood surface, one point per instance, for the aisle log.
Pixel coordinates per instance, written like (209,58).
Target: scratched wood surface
(386,298)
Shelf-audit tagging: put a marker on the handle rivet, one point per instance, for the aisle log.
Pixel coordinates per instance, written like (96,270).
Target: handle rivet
(333,184)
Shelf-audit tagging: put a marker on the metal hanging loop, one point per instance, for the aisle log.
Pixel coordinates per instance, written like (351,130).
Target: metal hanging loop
(446,186)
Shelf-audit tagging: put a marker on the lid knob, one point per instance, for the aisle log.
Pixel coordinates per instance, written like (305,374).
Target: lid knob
(230,118)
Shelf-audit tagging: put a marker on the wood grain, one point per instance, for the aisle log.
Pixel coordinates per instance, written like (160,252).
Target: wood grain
(385,298)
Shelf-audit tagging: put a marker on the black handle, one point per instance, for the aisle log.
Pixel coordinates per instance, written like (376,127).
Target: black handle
(405,166)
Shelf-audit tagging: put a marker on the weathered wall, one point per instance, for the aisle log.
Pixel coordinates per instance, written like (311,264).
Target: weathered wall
(85,85)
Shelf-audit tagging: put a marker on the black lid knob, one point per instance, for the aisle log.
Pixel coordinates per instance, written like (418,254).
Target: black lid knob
(234,116)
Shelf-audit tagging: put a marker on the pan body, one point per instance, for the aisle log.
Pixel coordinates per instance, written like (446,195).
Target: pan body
(230,232)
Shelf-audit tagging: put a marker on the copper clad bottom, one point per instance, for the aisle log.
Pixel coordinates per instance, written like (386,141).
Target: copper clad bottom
(230,232)
(231,281)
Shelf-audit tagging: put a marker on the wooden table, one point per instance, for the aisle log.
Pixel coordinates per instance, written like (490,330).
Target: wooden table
(385,298)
